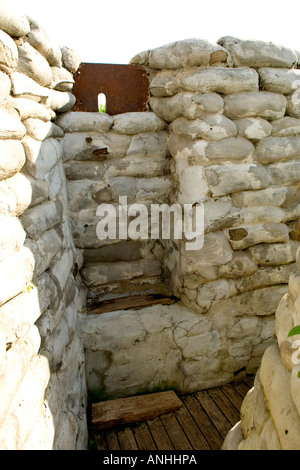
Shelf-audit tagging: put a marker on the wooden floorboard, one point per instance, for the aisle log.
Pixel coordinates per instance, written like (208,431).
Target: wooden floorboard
(111,441)
(143,436)
(192,431)
(126,439)
(176,432)
(201,423)
(159,434)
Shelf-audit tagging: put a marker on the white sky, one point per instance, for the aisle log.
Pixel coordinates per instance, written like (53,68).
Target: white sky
(113,31)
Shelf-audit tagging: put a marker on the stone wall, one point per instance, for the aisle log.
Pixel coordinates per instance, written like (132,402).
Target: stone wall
(232,116)
(42,381)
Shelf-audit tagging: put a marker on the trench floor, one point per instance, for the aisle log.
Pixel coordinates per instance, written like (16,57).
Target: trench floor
(201,423)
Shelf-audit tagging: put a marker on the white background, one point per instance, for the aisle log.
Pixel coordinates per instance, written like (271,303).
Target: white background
(113,31)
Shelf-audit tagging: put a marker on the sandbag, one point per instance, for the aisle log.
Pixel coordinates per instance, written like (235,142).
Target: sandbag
(33,64)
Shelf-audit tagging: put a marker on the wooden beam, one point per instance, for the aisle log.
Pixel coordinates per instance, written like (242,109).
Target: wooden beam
(134,302)
(113,413)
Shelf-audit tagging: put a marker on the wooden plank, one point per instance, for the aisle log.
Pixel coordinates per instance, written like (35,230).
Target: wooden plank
(159,434)
(203,422)
(220,421)
(126,439)
(225,405)
(242,387)
(100,442)
(249,380)
(134,302)
(112,440)
(207,415)
(233,395)
(112,413)
(190,428)
(175,432)
(143,436)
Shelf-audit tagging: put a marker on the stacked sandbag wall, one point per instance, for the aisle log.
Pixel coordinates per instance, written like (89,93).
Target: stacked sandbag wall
(270,413)
(107,158)
(223,132)
(232,110)
(42,381)
(232,115)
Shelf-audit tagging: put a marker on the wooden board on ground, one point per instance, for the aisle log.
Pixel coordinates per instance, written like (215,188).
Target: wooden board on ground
(201,420)
(134,302)
(112,413)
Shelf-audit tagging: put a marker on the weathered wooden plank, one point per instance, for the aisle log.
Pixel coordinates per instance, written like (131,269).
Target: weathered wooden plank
(112,413)
(220,421)
(159,434)
(190,428)
(100,442)
(112,440)
(175,432)
(134,302)
(233,395)
(249,380)
(143,436)
(225,405)
(242,387)
(203,421)
(126,439)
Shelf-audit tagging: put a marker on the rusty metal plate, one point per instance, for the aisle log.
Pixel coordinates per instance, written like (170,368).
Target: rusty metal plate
(125,86)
